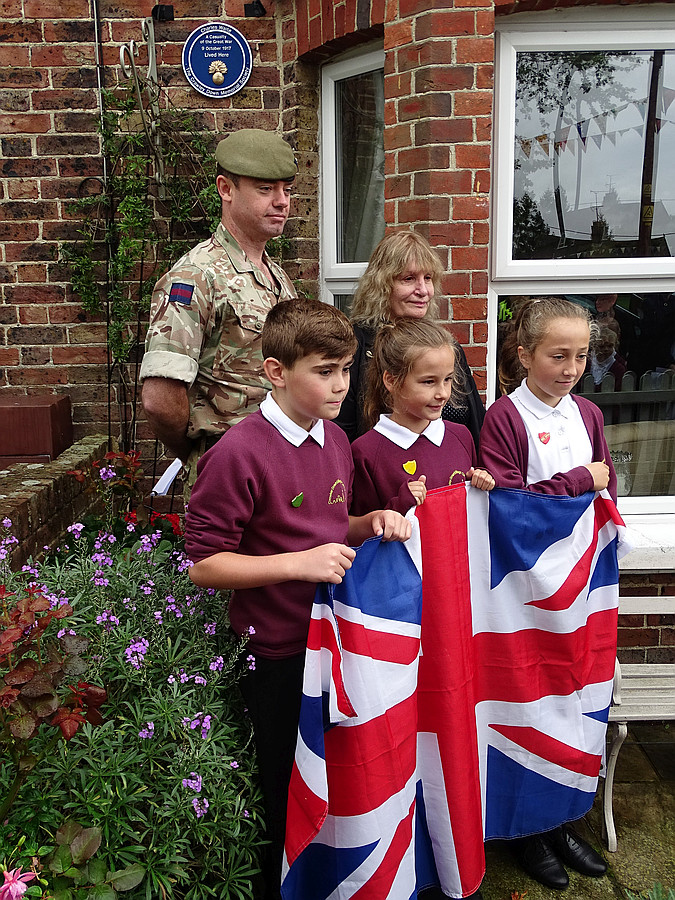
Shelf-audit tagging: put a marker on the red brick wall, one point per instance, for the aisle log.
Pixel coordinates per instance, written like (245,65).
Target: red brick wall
(647,638)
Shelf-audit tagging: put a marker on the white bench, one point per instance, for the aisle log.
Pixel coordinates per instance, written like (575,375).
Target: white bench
(643,692)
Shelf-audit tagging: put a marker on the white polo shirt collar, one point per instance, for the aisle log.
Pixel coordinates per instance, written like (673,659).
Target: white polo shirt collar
(286,427)
(539,409)
(404,437)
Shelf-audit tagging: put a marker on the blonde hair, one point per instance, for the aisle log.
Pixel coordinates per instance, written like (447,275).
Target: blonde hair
(396,253)
(397,347)
(528,329)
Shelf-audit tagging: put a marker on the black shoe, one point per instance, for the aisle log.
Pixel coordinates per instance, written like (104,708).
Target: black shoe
(475,896)
(576,853)
(536,857)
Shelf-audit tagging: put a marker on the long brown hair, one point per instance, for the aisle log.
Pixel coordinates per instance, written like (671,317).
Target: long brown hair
(528,329)
(396,349)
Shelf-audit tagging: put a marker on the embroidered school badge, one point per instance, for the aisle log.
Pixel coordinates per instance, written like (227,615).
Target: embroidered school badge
(544,436)
(338,492)
(297,500)
(410,467)
(462,477)
(181,293)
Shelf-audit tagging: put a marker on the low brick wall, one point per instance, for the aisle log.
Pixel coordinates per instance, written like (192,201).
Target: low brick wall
(42,499)
(647,637)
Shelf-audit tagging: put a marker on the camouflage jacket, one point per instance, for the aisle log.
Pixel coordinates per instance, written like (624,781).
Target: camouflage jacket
(206,316)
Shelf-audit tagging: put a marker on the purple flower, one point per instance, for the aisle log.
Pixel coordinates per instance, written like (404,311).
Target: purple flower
(135,652)
(250,659)
(216,664)
(210,628)
(194,783)
(246,814)
(7,523)
(76,530)
(61,632)
(148,731)
(251,629)
(234,764)
(107,472)
(200,807)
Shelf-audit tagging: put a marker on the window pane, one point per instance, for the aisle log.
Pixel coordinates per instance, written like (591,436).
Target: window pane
(595,140)
(359,123)
(631,376)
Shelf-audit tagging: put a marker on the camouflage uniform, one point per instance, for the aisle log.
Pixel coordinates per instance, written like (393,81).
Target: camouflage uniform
(206,317)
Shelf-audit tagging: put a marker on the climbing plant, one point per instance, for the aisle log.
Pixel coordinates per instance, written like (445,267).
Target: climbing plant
(131,228)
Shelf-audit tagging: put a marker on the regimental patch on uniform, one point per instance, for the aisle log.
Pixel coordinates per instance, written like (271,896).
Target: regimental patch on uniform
(181,293)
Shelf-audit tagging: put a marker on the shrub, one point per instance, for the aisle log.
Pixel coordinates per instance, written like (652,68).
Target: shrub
(165,779)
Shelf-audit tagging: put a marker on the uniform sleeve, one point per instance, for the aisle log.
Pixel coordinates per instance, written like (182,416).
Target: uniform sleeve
(503,452)
(180,313)
(218,510)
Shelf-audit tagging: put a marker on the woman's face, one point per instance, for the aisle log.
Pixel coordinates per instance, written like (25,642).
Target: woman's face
(411,294)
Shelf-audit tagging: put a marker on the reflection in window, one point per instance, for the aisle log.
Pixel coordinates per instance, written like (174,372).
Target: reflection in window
(630,375)
(594,144)
(359,119)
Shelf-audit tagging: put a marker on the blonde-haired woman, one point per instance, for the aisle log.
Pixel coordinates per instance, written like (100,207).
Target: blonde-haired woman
(403,277)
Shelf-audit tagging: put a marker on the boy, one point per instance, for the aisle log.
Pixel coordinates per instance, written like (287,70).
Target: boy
(268,518)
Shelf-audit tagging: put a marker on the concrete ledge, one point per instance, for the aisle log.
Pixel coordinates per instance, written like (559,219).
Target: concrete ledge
(42,499)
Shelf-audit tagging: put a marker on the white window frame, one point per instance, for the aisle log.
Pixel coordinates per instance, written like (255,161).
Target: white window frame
(578,29)
(335,277)
(633,28)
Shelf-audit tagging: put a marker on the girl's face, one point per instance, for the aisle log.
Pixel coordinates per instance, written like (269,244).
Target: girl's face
(411,294)
(558,361)
(425,389)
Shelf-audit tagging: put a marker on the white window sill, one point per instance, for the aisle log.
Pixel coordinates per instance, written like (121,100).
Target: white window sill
(653,540)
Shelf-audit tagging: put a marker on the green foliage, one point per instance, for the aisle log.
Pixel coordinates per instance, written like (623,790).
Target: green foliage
(159,799)
(658,892)
(133,229)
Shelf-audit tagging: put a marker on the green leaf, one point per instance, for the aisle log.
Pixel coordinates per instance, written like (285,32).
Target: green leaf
(85,845)
(67,832)
(127,879)
(61,860)
(96,871)
(101,892)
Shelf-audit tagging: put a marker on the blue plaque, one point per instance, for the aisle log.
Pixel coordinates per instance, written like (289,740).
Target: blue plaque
(217,60)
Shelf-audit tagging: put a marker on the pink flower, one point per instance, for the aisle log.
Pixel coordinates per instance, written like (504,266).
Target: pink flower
(15,884)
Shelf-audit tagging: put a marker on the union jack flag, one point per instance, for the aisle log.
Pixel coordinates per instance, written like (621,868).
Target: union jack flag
(482,713)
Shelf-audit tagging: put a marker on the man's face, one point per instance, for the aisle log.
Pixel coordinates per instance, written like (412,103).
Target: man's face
(256,209)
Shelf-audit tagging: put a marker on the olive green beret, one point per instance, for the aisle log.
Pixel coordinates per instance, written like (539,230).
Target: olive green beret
(257,154)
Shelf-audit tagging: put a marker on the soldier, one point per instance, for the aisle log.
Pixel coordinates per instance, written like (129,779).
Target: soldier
(202,370)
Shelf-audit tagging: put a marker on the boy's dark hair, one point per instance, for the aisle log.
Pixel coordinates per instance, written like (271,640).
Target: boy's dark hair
(295,328)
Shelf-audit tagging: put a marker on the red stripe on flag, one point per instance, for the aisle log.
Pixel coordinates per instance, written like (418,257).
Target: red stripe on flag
(322,637)
(576,581)
(380,882)
(396,648)
(369,763)
(549,748)
(534,663)
(306,815)
(447,669)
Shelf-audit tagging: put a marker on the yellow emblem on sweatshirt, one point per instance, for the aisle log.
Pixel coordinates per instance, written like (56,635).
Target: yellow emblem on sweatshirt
(338,492)
(410,467)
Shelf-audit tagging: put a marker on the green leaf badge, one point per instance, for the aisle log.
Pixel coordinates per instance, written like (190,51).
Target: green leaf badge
(297,500)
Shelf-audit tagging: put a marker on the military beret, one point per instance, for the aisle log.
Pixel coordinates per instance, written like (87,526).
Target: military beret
(257,154)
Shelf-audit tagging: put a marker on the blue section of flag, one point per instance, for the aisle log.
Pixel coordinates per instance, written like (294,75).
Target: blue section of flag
(377,563)
(521,801)
(321,868)
(606,570)
(521,525)
(181,293)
